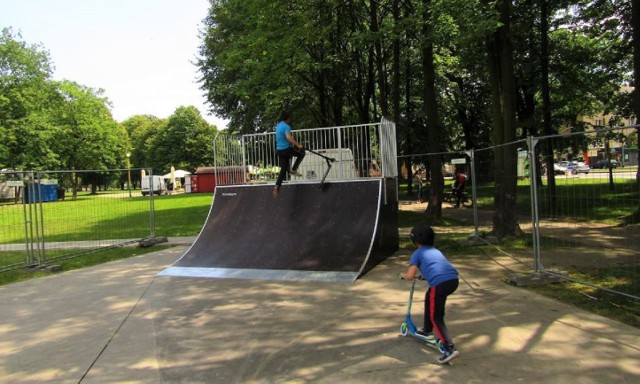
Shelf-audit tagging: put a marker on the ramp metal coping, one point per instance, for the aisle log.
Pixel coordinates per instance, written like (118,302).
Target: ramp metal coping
(305,182)
(375,229)
(261,274)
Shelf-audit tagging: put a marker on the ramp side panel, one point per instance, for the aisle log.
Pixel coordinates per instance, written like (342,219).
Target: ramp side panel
(306,228)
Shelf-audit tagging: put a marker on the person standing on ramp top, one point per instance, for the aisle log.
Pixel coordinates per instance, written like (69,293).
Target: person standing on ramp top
(286,147)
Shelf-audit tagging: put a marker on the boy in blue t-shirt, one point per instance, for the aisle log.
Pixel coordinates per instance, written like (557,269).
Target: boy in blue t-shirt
(442,278)
(286,148)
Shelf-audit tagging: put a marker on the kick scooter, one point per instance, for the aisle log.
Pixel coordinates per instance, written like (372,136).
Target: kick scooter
(328,159)
(409,328)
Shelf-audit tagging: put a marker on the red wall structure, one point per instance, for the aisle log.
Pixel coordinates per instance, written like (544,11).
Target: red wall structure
(204,179)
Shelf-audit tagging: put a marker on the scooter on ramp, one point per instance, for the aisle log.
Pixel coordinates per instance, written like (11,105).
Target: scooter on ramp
(409,328)
(329,161)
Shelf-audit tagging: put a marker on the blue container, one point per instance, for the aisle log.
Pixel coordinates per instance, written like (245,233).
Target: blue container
(35,193)
(49,192)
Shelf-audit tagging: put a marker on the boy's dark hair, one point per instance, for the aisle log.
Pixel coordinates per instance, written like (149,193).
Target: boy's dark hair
(423,234)
(284,115)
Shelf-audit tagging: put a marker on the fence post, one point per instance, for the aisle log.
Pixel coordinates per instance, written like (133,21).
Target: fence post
(42,257)
(339,134)
(535,218)
(152,217)
(244,160)
(32,201)
(474,200)
(28,222)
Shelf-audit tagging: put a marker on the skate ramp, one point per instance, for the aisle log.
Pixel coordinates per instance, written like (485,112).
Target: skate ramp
(311,232)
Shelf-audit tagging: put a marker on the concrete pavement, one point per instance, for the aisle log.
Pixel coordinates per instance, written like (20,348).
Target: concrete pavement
(120,323)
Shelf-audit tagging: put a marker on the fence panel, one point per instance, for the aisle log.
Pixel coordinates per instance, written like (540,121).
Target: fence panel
(575,198)
(100,213)
(518,205)
(15,222)
(583,209)
(43,217)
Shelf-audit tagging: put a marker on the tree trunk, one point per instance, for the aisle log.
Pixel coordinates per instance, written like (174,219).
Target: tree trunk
(73,178)
(363,101)
(379,59)
(502,79)
(395,95)
(408,126)
(546,108)
(433,212)
(371,83)
(635,27)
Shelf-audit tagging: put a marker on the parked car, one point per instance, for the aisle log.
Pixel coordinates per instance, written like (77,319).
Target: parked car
(559,169)
(601,164)
(577,167)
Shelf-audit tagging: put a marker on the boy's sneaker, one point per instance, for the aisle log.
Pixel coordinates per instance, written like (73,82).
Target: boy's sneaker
(295,173)
(426,336)
(449,354)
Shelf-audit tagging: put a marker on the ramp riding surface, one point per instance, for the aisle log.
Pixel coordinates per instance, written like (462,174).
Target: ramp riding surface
(328,232)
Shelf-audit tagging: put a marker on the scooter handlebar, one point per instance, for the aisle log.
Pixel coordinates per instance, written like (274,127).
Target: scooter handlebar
(419,277)
(331,159)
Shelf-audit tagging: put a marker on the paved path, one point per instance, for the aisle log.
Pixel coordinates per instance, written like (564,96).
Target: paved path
(120,323)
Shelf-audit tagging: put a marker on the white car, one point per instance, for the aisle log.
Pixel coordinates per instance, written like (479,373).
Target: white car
(577,167)
(559,169)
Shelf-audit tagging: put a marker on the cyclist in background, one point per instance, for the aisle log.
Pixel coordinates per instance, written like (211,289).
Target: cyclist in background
(458,186)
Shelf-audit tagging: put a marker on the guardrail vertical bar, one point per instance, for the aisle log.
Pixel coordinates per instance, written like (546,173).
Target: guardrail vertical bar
(474,195)
(152,209)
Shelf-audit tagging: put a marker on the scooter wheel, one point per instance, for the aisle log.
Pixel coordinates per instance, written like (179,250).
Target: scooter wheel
(404,329)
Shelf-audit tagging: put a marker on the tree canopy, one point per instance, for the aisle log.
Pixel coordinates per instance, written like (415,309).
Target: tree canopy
(186,141)
(63,125)
(25,87)
(465,74)
(335,62)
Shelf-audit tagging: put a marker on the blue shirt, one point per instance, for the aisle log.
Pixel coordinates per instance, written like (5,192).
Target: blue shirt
(435,268)
(282,130)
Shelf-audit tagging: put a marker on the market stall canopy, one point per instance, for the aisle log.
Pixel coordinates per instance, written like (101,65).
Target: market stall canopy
(178,174)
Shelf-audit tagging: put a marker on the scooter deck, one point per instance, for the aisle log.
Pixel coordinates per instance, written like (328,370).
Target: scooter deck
(433,344)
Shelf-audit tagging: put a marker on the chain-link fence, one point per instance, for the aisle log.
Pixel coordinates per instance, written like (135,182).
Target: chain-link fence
(586,201)
(50,215)
(16,222)
(574,197)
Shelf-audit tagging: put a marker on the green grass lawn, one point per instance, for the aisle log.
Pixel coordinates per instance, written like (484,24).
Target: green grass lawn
(575,197)
(107,215)
(622,278)
(87,259)
(97,217)
(181,215)
(101,217)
